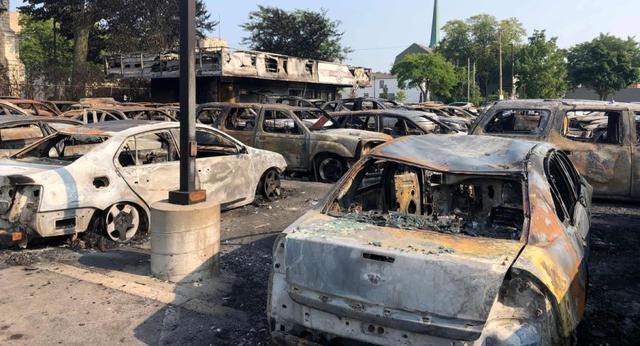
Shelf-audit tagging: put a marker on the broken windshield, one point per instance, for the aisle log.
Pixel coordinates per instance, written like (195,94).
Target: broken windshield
(390,194)
(60,149)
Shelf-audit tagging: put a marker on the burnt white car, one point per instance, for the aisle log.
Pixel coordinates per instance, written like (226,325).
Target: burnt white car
(106,175)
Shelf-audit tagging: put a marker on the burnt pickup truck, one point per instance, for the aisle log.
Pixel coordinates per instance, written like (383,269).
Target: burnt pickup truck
(326,151)
(602,139)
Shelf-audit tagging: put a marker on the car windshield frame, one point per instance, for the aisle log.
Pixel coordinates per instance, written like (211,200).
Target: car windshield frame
(51,142)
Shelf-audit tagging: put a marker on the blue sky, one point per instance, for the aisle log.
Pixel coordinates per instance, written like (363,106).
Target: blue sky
(378,30)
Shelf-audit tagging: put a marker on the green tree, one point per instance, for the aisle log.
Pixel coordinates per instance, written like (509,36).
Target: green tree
(475,40)
(301,33)
(401,96)
(541,68)
(606,64)
(44,54)
(427,72)
(89,23)
(151,25)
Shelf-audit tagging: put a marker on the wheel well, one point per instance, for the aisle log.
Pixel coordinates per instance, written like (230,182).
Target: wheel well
(325,154)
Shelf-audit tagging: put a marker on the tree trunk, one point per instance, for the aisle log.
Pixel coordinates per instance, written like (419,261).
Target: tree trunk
(80,51)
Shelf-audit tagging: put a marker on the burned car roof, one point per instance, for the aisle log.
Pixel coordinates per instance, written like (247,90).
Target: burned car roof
(565,103)
(110,127)
(10,120)
(413,114)
(460,153)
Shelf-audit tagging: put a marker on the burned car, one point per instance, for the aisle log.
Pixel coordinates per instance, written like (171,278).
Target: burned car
(34,107)
(17,132)
(9,109)
(439,240)
(106,175)
(601,138)
(96,115)
(327,150)
(393,122)
(360,104)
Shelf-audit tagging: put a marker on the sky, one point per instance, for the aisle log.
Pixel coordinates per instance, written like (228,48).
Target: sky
(378,30)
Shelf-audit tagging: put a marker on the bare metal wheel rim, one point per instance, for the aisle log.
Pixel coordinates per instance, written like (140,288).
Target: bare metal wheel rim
(272,184)
(122,221)
(330,169)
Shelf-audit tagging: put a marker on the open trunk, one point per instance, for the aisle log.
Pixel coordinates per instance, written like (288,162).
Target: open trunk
(420,281)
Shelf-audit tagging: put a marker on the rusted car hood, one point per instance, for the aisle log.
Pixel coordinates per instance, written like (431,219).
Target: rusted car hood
(355,269)
(355,133)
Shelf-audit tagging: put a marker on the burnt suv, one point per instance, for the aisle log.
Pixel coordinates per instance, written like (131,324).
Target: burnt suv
(326,151)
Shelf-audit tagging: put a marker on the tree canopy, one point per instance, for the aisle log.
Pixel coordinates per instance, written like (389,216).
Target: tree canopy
(120,25)
(427,72)
(476,39)
(606,64)
(541,68)
(301,33)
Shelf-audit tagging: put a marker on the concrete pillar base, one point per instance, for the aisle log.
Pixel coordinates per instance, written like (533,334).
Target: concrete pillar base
(185,241)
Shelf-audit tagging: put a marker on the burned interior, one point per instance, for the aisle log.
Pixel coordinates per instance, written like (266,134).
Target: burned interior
(61,148)
(518,121)
(593,126)
(389,193)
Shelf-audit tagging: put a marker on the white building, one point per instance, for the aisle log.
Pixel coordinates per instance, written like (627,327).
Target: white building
(386,82)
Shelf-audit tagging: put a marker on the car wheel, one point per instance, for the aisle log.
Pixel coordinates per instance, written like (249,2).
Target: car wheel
(122,221)
(330,169)
(270,185)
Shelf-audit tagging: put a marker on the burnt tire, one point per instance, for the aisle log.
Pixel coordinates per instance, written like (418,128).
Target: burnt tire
(269,186)
(330,168)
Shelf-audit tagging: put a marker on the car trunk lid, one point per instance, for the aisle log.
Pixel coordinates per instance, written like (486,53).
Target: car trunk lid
(421,281)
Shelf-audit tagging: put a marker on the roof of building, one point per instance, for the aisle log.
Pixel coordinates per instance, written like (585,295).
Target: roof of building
(414,48)
(446,153)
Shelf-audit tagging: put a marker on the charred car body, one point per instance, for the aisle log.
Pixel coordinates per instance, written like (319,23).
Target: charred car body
(360,104)
(16,132)
(108,174)
(395,123)
(439,240)
(601,138)
(91,115)
(326,150)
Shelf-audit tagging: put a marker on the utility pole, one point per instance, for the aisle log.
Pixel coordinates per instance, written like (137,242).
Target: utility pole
(500,94)
(468,79)
(513,73)
(188,149)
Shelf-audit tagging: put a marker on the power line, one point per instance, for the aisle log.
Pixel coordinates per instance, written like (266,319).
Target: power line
(378,48)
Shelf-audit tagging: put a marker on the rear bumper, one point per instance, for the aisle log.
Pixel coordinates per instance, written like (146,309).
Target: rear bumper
(45,224)
(10,238)
(291,321)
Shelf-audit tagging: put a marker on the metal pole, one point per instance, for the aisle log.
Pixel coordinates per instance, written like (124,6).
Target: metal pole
(513,72)
(188,149)
(500,95)
(468,79)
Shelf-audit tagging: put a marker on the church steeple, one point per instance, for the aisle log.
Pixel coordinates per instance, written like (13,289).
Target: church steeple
(435,26)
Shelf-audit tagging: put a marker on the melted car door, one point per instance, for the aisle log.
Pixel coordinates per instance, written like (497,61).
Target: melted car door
(281,133)
(597,142)
(150,165)
(224,168)
(241,123)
